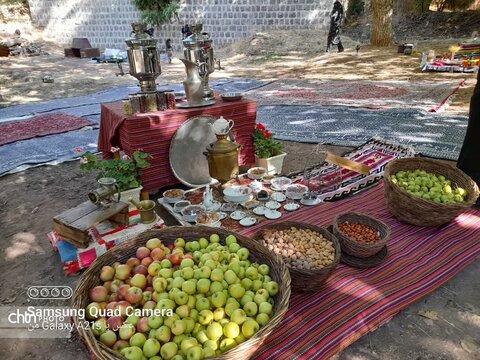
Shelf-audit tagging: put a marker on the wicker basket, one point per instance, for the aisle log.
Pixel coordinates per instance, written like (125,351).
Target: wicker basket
(414,210)
(278,272)
(356,248)
(307,280)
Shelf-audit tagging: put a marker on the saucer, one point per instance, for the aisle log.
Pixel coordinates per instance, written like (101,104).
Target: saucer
(229,207)
(291,207)
(310,203)
(278,196)
(273,205)
(273,214)
(238,215)
(216,206)
(248,221)
(260,210)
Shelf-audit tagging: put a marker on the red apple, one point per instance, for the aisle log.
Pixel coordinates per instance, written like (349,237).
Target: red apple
(120,344)
(123,305)
(114,322)
(98,294)
(157,254)
(108,285)
(142,325)
(171,247)
(122,272)
(142,252)
(107,273)
(141,269)
(134,295)
(188,256)
(146,261)
(149,280)
(111,305)
(150,304)
(113,298)
(139,280)
(132,262)
(148,288)
(122,291)
(175,259)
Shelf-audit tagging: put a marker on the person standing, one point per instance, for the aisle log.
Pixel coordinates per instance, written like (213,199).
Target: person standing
(186,32)
(469,159)
(336,18)
(169,49)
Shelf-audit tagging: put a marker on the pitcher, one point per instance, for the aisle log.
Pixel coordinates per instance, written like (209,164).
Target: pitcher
(208,197)
(193,84)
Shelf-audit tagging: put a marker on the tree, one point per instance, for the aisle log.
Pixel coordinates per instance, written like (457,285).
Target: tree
(158,12)
(382,12)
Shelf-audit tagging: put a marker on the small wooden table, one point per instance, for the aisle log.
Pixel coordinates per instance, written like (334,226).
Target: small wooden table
(153,132)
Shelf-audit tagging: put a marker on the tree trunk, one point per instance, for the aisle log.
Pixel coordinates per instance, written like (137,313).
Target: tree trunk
(382,11)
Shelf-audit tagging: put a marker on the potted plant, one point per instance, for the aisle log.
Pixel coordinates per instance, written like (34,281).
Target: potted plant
(124,169)
(268,151)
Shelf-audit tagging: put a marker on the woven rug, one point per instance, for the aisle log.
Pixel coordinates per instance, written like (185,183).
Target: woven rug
(354,302)
(41,125)
(435,135)
(425,95)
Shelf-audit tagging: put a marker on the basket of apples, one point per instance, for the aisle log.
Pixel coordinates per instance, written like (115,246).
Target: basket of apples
(427,192)
(181,293)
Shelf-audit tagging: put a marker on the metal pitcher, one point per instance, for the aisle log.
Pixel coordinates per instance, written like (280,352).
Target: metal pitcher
(193,84)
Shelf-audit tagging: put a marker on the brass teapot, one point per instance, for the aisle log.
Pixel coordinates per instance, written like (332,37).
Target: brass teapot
(222,157)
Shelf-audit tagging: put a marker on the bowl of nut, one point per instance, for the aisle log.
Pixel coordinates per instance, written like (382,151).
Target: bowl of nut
(209,218)
(310,252)
(256,173)
(360,235)
(173,195)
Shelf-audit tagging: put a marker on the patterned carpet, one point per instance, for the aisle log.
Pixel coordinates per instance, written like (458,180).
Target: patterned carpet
(431,96)
(435,135)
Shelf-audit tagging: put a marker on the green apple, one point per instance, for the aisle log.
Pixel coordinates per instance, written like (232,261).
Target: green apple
(132,319)
(166,264)
(155,321)
(138,339)
(189,287)
(197,255)
(214,331)
(251,308)
(163,334)
(205,317)
(219,299)
(189,324)
(177,339)
(166,273)
(183,311)
(168,350)
(208,352)
(187,263)
(256,284)
(203,243)
(238,316)
(212,264)
(240,338)
(181,297)
(154,243)
(170,320)
(159,284)
(172,292)
(265,308)
(178,282)
(227,344)
(245,299)
(192,300)
(201,336)
(231,307)
(132,353)
(178,327)
(99,327)
(272,288)
(195,353)
(210,344)
(203,286)
(194,314)
(151,347)
(194,246)
(262,319)
(231,330)
(177,273)
(205,272)
(251,273)
(126,331)
(243,253)
(236,290)
(230,239)
(166,304)
(249,328)
(218,313)
(108,338)
(214,238)
(202,304)
(234,266)
(267,279)
(179,242)
(154,268)
(230,277)
(216,286)
(264,269)
(216,275)
(234,247)
(187,344)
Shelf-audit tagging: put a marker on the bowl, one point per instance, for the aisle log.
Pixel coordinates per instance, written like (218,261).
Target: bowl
(208,218)
(267,179)
(178,207)
(280,183)
(296,191)
(173,195)
(232,96)
(256,173)
(237,194)
(190,212)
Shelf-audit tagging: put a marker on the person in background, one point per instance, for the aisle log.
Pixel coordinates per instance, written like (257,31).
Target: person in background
(336,18)
(186,32)
(169,49)
(469,159)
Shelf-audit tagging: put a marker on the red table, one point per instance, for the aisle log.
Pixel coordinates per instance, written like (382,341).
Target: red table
(153,132)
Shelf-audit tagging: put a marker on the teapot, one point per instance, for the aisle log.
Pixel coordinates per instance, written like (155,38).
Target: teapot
(222,126)
(208,197)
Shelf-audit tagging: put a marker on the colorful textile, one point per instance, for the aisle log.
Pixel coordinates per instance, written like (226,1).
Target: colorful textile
(434,135)
(354,302)
(448,68)
(425,95)
(41,125)
(153,133)
(104,236)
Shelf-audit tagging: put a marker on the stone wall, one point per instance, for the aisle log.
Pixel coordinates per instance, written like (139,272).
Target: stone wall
(106,23)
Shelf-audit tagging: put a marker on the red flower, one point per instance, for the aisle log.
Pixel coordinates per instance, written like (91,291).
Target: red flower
(261,127)
(267,134)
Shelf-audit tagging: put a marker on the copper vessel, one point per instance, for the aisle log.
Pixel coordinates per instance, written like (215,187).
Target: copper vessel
(222,157)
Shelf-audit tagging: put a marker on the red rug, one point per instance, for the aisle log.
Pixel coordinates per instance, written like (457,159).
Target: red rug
(41,125)
(354,302)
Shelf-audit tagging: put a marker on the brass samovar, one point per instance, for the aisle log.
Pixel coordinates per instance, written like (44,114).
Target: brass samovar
(198,49)
(143,57)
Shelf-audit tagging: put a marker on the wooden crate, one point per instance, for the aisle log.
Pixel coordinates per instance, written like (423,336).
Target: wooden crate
(73,224)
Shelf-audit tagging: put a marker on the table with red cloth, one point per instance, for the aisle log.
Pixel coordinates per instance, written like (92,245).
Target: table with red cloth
(153,132)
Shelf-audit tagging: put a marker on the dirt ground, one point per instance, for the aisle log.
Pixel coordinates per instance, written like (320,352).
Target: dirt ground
(30,199)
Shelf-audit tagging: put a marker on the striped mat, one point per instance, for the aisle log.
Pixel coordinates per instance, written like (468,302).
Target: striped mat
(354,302)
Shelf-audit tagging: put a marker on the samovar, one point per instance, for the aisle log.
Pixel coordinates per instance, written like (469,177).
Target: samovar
(143,57)
(198,49)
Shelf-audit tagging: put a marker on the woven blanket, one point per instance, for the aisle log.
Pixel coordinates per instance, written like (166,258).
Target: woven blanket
(104,236)
(354,302)
(425,95)
(41,125)
(435,135)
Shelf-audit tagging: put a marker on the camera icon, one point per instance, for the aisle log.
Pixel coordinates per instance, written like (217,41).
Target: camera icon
(56,292)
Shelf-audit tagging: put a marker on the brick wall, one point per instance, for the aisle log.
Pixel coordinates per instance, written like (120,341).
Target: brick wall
(106,23)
